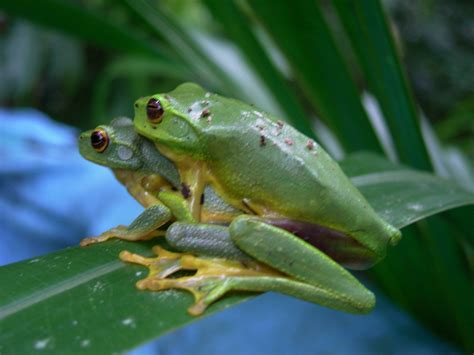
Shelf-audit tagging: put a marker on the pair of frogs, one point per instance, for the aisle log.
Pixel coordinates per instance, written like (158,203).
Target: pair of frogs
(251,203)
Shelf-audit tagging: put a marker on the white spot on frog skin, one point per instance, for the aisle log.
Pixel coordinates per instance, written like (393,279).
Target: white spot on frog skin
(415,206)
(41,344)
(33,261)
(195,110)
(207,95)
(74,322)
(258,114)
(129,322)
(85,343)
(125,153)
(138,273)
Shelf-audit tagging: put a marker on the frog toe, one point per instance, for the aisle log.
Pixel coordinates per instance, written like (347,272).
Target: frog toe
(213,278)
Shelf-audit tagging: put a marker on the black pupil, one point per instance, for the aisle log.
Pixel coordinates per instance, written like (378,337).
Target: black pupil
(98,139)
(154,111)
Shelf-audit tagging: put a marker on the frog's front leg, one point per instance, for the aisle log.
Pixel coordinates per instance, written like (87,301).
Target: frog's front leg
(143,227)
(168,205)
(194,179)
(333,286)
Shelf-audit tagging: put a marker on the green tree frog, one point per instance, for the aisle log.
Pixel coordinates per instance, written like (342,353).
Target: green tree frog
(303,217)
(152,180)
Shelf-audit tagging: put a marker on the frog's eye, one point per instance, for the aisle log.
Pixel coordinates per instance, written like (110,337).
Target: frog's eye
(154,110)
(99,140)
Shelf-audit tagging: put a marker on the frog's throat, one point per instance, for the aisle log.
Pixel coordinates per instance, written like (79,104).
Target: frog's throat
(339,246)
(139,185)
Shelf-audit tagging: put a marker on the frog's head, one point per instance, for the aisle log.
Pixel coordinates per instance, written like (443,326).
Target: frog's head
(172,119)
(115,146)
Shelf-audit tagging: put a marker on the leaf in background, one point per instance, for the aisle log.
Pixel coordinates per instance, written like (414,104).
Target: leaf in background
(366,25)
(236,25)
(133,68)
(84,299)
(83,24)
(163,24)
(299,30)
(418,276)
(400,195)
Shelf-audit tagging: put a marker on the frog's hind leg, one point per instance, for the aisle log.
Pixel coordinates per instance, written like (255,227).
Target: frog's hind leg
(143,227)
(333,286)
(213,278)
(207,240)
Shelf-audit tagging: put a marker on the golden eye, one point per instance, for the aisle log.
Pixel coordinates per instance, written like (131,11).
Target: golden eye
(99,140)
(154,110)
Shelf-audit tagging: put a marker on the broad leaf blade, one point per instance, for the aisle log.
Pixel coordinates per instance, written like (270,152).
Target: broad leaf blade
(400,195)
(84,299)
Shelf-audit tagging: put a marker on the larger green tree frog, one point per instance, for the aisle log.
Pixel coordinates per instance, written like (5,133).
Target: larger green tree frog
(288,186)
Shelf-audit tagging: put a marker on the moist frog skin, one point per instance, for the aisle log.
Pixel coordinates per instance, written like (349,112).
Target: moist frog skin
(284,181)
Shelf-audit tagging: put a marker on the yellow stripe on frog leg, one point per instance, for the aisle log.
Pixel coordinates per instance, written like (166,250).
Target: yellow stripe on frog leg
(194,178)
(210,290)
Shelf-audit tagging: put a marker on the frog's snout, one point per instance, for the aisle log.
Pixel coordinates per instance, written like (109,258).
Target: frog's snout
(84,135)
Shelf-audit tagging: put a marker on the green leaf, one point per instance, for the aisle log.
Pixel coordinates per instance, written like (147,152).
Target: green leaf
(299,30)
(84,300)
(365,23)
(163,24)
(131,67)
(79,299)
(83,24)
(236,25)
(401,195)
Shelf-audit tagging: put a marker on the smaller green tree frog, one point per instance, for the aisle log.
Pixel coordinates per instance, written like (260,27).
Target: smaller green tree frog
(151,179)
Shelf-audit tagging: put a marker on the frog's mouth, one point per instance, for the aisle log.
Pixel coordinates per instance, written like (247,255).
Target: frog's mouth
(339,246)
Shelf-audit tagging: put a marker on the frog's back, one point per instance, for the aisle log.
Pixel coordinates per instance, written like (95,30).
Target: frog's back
(267,165)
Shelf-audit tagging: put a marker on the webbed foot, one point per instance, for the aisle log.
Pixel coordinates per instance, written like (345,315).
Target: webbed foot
(213,278)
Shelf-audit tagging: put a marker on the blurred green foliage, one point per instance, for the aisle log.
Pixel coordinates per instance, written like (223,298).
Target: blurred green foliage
(308,62)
